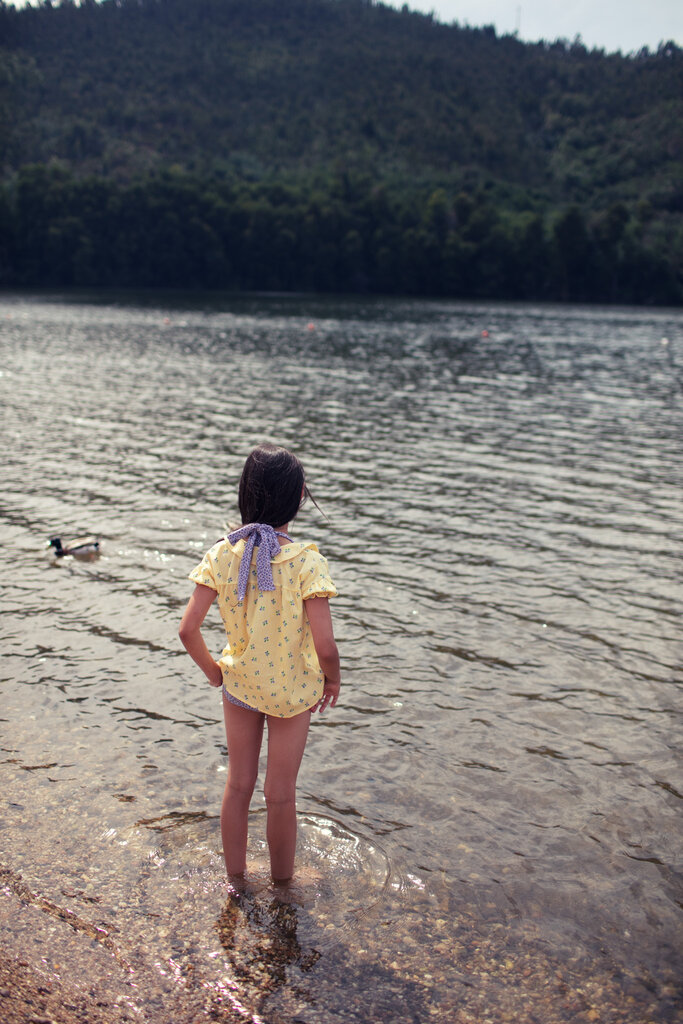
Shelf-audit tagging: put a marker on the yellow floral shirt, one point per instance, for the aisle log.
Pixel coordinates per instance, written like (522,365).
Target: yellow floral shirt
(269,661)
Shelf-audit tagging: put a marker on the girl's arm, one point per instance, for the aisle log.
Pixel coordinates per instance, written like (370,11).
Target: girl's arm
(320,620)
(191,637)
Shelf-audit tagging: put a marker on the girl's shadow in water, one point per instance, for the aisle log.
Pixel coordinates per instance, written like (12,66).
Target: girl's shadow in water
(259,934)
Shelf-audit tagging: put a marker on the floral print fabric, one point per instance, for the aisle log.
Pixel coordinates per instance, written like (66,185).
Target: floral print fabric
(269,661)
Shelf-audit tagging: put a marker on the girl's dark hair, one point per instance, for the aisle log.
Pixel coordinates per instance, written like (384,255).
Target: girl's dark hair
(272,486)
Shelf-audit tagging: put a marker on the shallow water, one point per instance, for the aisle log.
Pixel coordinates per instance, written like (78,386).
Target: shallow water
(490,818)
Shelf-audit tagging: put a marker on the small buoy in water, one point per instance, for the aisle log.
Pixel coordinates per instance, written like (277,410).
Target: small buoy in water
(484,334)
(310,327)
(81,547)
(167,319)
(664,341)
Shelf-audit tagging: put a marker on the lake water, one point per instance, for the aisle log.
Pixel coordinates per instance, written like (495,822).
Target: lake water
(490,819)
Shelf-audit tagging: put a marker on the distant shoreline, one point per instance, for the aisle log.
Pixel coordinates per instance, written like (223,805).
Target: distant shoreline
(183,299)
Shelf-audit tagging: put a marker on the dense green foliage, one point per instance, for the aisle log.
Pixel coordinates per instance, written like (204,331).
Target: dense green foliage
(333,145)
(345,234)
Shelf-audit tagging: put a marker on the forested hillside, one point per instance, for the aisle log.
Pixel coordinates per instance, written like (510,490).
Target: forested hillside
(337,145)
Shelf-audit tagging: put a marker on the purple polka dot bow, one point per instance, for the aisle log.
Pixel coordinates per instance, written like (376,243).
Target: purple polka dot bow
(265,538)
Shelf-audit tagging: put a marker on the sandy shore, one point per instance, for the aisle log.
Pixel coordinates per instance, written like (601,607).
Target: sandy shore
(27,997)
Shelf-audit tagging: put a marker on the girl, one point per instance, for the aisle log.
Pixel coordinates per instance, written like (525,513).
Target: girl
(281,661)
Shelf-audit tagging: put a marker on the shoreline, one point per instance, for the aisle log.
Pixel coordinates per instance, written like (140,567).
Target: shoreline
(29,997)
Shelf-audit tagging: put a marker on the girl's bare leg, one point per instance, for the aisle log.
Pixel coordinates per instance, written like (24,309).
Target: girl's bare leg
(244,732)
(286,742)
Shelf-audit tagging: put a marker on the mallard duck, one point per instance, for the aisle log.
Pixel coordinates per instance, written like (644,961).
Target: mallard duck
(82,547)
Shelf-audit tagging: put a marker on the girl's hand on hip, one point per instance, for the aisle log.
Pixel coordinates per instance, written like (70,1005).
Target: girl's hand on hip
(330,695)
(216,676)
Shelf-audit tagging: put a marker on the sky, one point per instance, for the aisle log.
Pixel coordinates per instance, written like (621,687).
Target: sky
(610,25)
(625,25)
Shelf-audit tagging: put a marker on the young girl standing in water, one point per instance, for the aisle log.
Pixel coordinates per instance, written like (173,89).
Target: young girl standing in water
(281,661)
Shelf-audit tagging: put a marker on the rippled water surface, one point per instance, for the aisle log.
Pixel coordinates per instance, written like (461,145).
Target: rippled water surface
(490,819)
